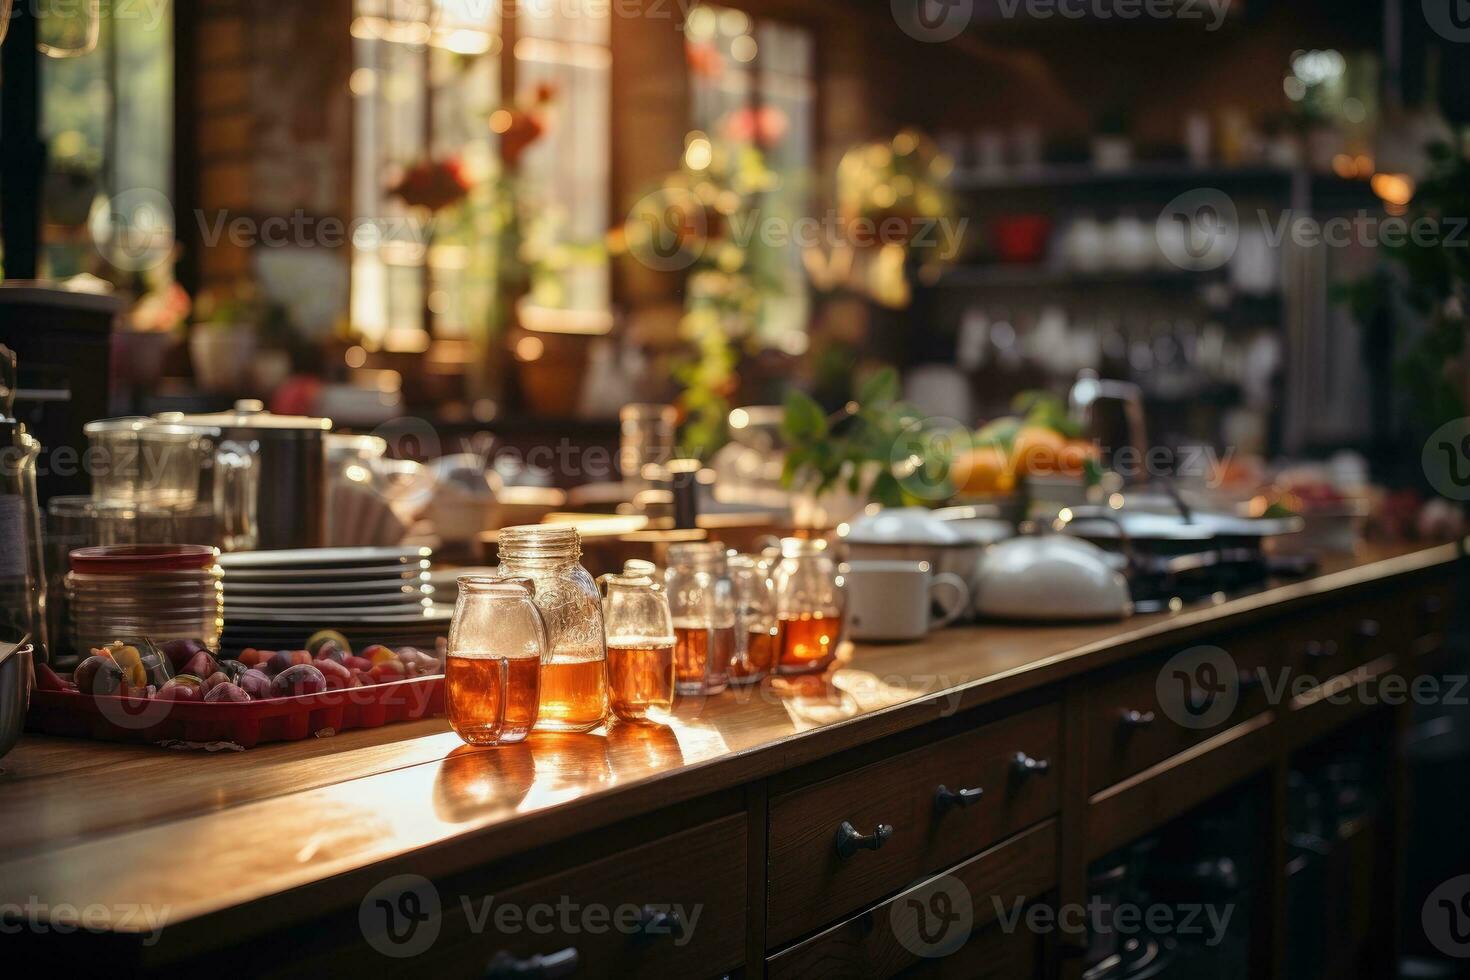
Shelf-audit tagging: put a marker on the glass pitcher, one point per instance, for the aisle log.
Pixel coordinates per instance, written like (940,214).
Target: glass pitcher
(574,671)
(702,600)
(640,645)
(22,572)
(810,606)
(497,641)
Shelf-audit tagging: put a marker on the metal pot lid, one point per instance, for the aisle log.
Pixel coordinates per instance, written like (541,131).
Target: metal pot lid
(249,414)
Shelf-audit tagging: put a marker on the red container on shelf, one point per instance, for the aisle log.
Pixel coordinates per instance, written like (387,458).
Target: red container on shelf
(135,559)
(247,724)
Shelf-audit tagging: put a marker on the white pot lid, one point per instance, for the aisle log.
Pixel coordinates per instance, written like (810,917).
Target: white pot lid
(903,525)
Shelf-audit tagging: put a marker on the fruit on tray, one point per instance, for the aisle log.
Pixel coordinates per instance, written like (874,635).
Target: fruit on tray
(298,679)
(322,639)
(258,675)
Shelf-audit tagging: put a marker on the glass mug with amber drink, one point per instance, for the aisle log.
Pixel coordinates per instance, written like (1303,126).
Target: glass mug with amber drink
(574,670)
(702,601)
(640,644)
(497,641)
(757,633)
(811,606)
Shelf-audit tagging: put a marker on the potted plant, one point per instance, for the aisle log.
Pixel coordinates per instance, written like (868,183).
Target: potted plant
(222,343)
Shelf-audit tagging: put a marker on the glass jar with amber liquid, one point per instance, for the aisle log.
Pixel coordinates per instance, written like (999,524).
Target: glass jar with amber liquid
(640,645)
(757,634)
(574,670)
(702,601)
(811,605)
(497,641)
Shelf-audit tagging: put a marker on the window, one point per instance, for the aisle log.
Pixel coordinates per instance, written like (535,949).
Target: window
(752,83)
(427,83)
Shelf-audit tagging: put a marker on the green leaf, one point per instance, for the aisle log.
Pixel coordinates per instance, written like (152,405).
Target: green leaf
(879,389)
(805,422)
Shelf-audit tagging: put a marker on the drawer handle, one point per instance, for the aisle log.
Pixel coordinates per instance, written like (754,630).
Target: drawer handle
(505,966)
(1132,720)
(655,923)
(944,797)
(1369,629)
(1317,650)
(849,841)
(1024,766)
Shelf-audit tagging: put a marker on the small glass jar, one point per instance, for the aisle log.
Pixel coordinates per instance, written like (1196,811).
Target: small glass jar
(757,632)
(574,670)
(702,601)
(640,645)
(497,641)
(811,606)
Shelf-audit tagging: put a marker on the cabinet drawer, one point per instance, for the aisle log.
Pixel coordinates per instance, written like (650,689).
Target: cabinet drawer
(700,871)
(1141,715)
(948,926)
(811,881)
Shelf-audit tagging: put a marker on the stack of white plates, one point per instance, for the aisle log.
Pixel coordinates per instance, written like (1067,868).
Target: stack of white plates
(275,600)
(153,592)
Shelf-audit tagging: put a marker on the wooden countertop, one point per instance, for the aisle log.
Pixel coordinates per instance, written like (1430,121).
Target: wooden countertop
(293,828)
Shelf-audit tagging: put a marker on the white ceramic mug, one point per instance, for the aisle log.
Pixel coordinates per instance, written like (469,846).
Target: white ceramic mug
(895,600)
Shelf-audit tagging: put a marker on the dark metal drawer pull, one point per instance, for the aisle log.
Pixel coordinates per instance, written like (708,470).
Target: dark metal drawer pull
(655,923)
(505,966)
(1137,719)
(944,797)
(849,841)
(1317,650)
(1024,765)
(1369,629)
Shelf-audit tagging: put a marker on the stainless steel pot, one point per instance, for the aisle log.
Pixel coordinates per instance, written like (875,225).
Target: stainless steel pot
(278,500)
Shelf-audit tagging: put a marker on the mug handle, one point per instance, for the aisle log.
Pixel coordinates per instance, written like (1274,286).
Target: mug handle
(955,609)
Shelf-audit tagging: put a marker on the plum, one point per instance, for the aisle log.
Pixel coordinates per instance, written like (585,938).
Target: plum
(388,670)
(178,692)
(215,680)
(233,669)
(180,652)
(358,663)
(279,662)
(226,692)
(377,653)
(337,675)
(252,657)
(298,679)
(98,675)
(202,664)
(361,678)
(256,684)
(301,658)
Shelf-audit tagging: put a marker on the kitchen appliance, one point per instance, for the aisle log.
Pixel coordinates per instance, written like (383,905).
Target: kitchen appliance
(22,569)
(1050,578)
(278,501)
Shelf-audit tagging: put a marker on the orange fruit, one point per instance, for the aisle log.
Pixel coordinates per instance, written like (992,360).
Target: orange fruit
(1038,451)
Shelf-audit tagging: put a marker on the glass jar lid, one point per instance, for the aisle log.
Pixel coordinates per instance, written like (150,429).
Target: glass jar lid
(532,541)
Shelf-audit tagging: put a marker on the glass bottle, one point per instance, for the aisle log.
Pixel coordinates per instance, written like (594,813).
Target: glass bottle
(810,606)
(702,601)
(640,645)
(574,671)
(756,630)
(497,641)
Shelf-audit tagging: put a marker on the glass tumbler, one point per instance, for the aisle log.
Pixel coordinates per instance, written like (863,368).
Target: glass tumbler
(757,631)
(574,671)
(702,601)
(811,604)
(497,641)
(640,646)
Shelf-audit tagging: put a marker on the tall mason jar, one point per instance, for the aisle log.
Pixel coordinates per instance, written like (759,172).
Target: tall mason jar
(811,606)
(574,671)
(702,601)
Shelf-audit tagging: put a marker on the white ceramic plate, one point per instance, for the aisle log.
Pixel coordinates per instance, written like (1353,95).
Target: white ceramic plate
(322,558)
(310,576)
(380,586)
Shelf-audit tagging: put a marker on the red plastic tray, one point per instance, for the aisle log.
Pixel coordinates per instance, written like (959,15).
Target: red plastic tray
(135,559)
(118,719)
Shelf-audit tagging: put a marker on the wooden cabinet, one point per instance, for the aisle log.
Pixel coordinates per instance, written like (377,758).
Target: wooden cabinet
(963,923)
(673,907)
(905,817)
